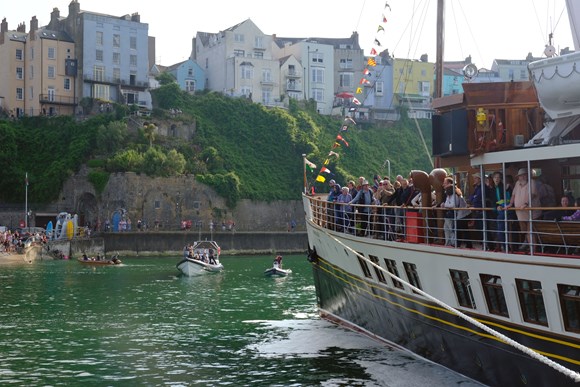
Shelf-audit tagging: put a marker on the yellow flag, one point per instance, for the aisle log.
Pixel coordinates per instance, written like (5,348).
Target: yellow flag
(359,90)
(321,179)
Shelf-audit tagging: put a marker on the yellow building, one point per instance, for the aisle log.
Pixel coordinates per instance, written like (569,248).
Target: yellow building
(413,86)
(37,71)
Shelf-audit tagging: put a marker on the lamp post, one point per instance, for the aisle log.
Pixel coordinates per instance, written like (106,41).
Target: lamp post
(26,202)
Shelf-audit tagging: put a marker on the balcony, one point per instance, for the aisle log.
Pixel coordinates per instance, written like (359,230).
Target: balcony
(293,74)
(124,83)
(57,100)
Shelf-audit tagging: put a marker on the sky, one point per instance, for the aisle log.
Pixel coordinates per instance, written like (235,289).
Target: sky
(494,29)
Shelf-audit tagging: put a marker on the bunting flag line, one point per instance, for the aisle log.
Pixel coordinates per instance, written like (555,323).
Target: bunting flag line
(384,19)
(377,42)
(387,5)
(310,164)
(373,51)
(359,90)
(356,101)
(320,178)
(331,153)
(364,81)
(349,119)
(381,28)
(326,162)
(325,170)
(335,145)
(339,137)
(371,62)
(366,72)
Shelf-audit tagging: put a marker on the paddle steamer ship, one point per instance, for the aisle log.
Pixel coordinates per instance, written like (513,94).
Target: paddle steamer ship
(412,292)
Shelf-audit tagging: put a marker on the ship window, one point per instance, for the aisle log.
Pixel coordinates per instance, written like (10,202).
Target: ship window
(570,302)
(412,274)
(531,301)
(392,268)
(462,288)
(379,272)
(494,296)
(157,204)
(364,266)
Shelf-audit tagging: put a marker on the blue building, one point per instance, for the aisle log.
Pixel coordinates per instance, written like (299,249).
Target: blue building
(189,75)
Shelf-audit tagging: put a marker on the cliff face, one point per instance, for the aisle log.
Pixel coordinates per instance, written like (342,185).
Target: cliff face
(161,203)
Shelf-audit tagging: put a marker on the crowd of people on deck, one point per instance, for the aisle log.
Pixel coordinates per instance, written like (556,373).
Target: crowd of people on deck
(380,209)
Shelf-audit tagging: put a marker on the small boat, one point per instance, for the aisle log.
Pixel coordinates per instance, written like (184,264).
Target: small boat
(276,269)
(200,258)
(100,262)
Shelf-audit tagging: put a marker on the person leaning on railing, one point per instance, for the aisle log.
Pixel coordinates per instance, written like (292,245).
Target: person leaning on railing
(520,201)
(576,215)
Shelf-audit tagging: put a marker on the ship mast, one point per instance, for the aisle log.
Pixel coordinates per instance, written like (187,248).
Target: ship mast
(440,48)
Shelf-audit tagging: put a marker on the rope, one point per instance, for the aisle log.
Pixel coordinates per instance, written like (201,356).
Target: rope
(528,351)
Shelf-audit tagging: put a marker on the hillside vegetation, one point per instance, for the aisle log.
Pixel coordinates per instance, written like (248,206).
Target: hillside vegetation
(242,149)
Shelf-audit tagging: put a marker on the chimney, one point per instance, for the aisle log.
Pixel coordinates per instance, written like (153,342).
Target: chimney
(425,58)
(33,27)
(74,8)
(21,27)
(135,17)
(3,29)
(54,17)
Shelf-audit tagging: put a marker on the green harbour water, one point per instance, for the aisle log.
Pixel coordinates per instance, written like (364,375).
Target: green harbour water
(63,323)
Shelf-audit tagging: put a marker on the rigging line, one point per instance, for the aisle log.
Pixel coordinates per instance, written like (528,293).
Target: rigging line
(528,351)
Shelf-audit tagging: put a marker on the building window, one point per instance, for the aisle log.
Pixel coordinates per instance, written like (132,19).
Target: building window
(133,42)
(364,266)
(423,72)
(50,71)
(190,85)
(116,40)
(239,38)
(570,302)
(318,95)
(51,93)
(346,63)
(157,204)
(19,93)
(239,53)
(31,72)
(19,54)
(494,296)
(19,73)
(117,75)
(258,42)
(67,83)
(190,72)
(346,79)
(99,55)
(378,272)
(266,75)
(258,55)
(392,268)
(99,38)
(531,301)
(462,288)
(117,58)
(317,57)
(101,92)
(31,94)
(379,87)
(266,97)
(412,274)
(524,74)
(247,71)
(31,53)
(99,73)
(246,91)
(133,60)
(317,75)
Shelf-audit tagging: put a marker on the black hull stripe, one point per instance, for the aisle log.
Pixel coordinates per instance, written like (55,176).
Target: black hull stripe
(442,321)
